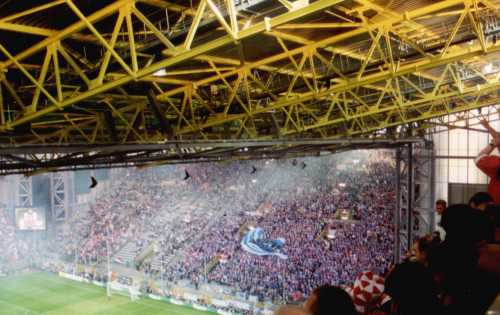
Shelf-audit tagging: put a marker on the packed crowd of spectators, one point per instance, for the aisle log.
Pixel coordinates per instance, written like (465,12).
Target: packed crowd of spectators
(18,250)
(457,275)
(11,248)
(125,214)
(299,215)
(197,224)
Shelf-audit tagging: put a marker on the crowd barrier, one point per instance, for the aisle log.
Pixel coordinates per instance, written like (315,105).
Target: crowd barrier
(188,299)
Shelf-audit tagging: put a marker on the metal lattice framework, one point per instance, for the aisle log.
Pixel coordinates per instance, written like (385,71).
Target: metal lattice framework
(414,215)
(58,195)
(24,192)
(134,72)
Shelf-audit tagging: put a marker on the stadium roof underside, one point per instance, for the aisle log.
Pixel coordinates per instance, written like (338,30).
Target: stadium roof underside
(30,160)
(131,73)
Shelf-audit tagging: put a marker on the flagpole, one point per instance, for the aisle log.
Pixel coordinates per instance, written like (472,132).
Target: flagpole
(162,277)
(76,257)
(108,291)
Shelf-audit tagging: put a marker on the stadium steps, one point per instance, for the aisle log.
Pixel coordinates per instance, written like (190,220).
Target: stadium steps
(180,253)
(156,262)
(125,256)
(176,255)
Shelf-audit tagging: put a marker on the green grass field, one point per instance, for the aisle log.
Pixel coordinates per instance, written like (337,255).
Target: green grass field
(48,294)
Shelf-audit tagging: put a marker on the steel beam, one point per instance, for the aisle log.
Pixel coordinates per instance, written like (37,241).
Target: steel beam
(187,54)
(320,100)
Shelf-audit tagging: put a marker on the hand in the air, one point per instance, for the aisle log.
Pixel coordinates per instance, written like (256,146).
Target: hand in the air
(490,129)
(485,124)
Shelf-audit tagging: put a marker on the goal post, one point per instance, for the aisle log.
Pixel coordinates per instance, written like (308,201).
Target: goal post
(131,291)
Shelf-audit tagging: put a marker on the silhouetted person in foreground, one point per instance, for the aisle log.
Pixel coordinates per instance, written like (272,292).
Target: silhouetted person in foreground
(330,300)
(480,200)
(465,286)
(412,289)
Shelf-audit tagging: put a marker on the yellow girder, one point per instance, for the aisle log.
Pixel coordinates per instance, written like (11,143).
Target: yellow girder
(206,87)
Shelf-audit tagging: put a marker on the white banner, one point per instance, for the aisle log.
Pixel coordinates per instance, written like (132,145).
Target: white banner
(176,302)
(119,287)
(240,305)
(154,297)
(200,307)
(220,303)
(190,296)
(72,277)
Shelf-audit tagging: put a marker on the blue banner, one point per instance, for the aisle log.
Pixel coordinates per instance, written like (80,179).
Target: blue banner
(255,242)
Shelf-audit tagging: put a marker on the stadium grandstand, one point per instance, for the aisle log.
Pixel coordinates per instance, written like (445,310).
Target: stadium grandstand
(249,157)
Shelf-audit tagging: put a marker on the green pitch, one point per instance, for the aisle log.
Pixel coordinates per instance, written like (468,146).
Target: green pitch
(47,294)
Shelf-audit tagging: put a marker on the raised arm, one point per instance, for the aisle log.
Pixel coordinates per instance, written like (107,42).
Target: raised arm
(486,151)
(494,134)
(482,159)
(494,141)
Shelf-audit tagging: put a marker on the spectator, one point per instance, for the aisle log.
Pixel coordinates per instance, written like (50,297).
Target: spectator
(412,290)
(466,226)
(440,206)
(465,286)
(367,293)
(423,246)
(489,164)
(327,300)
(489,254)
(493,212)
(480,201)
